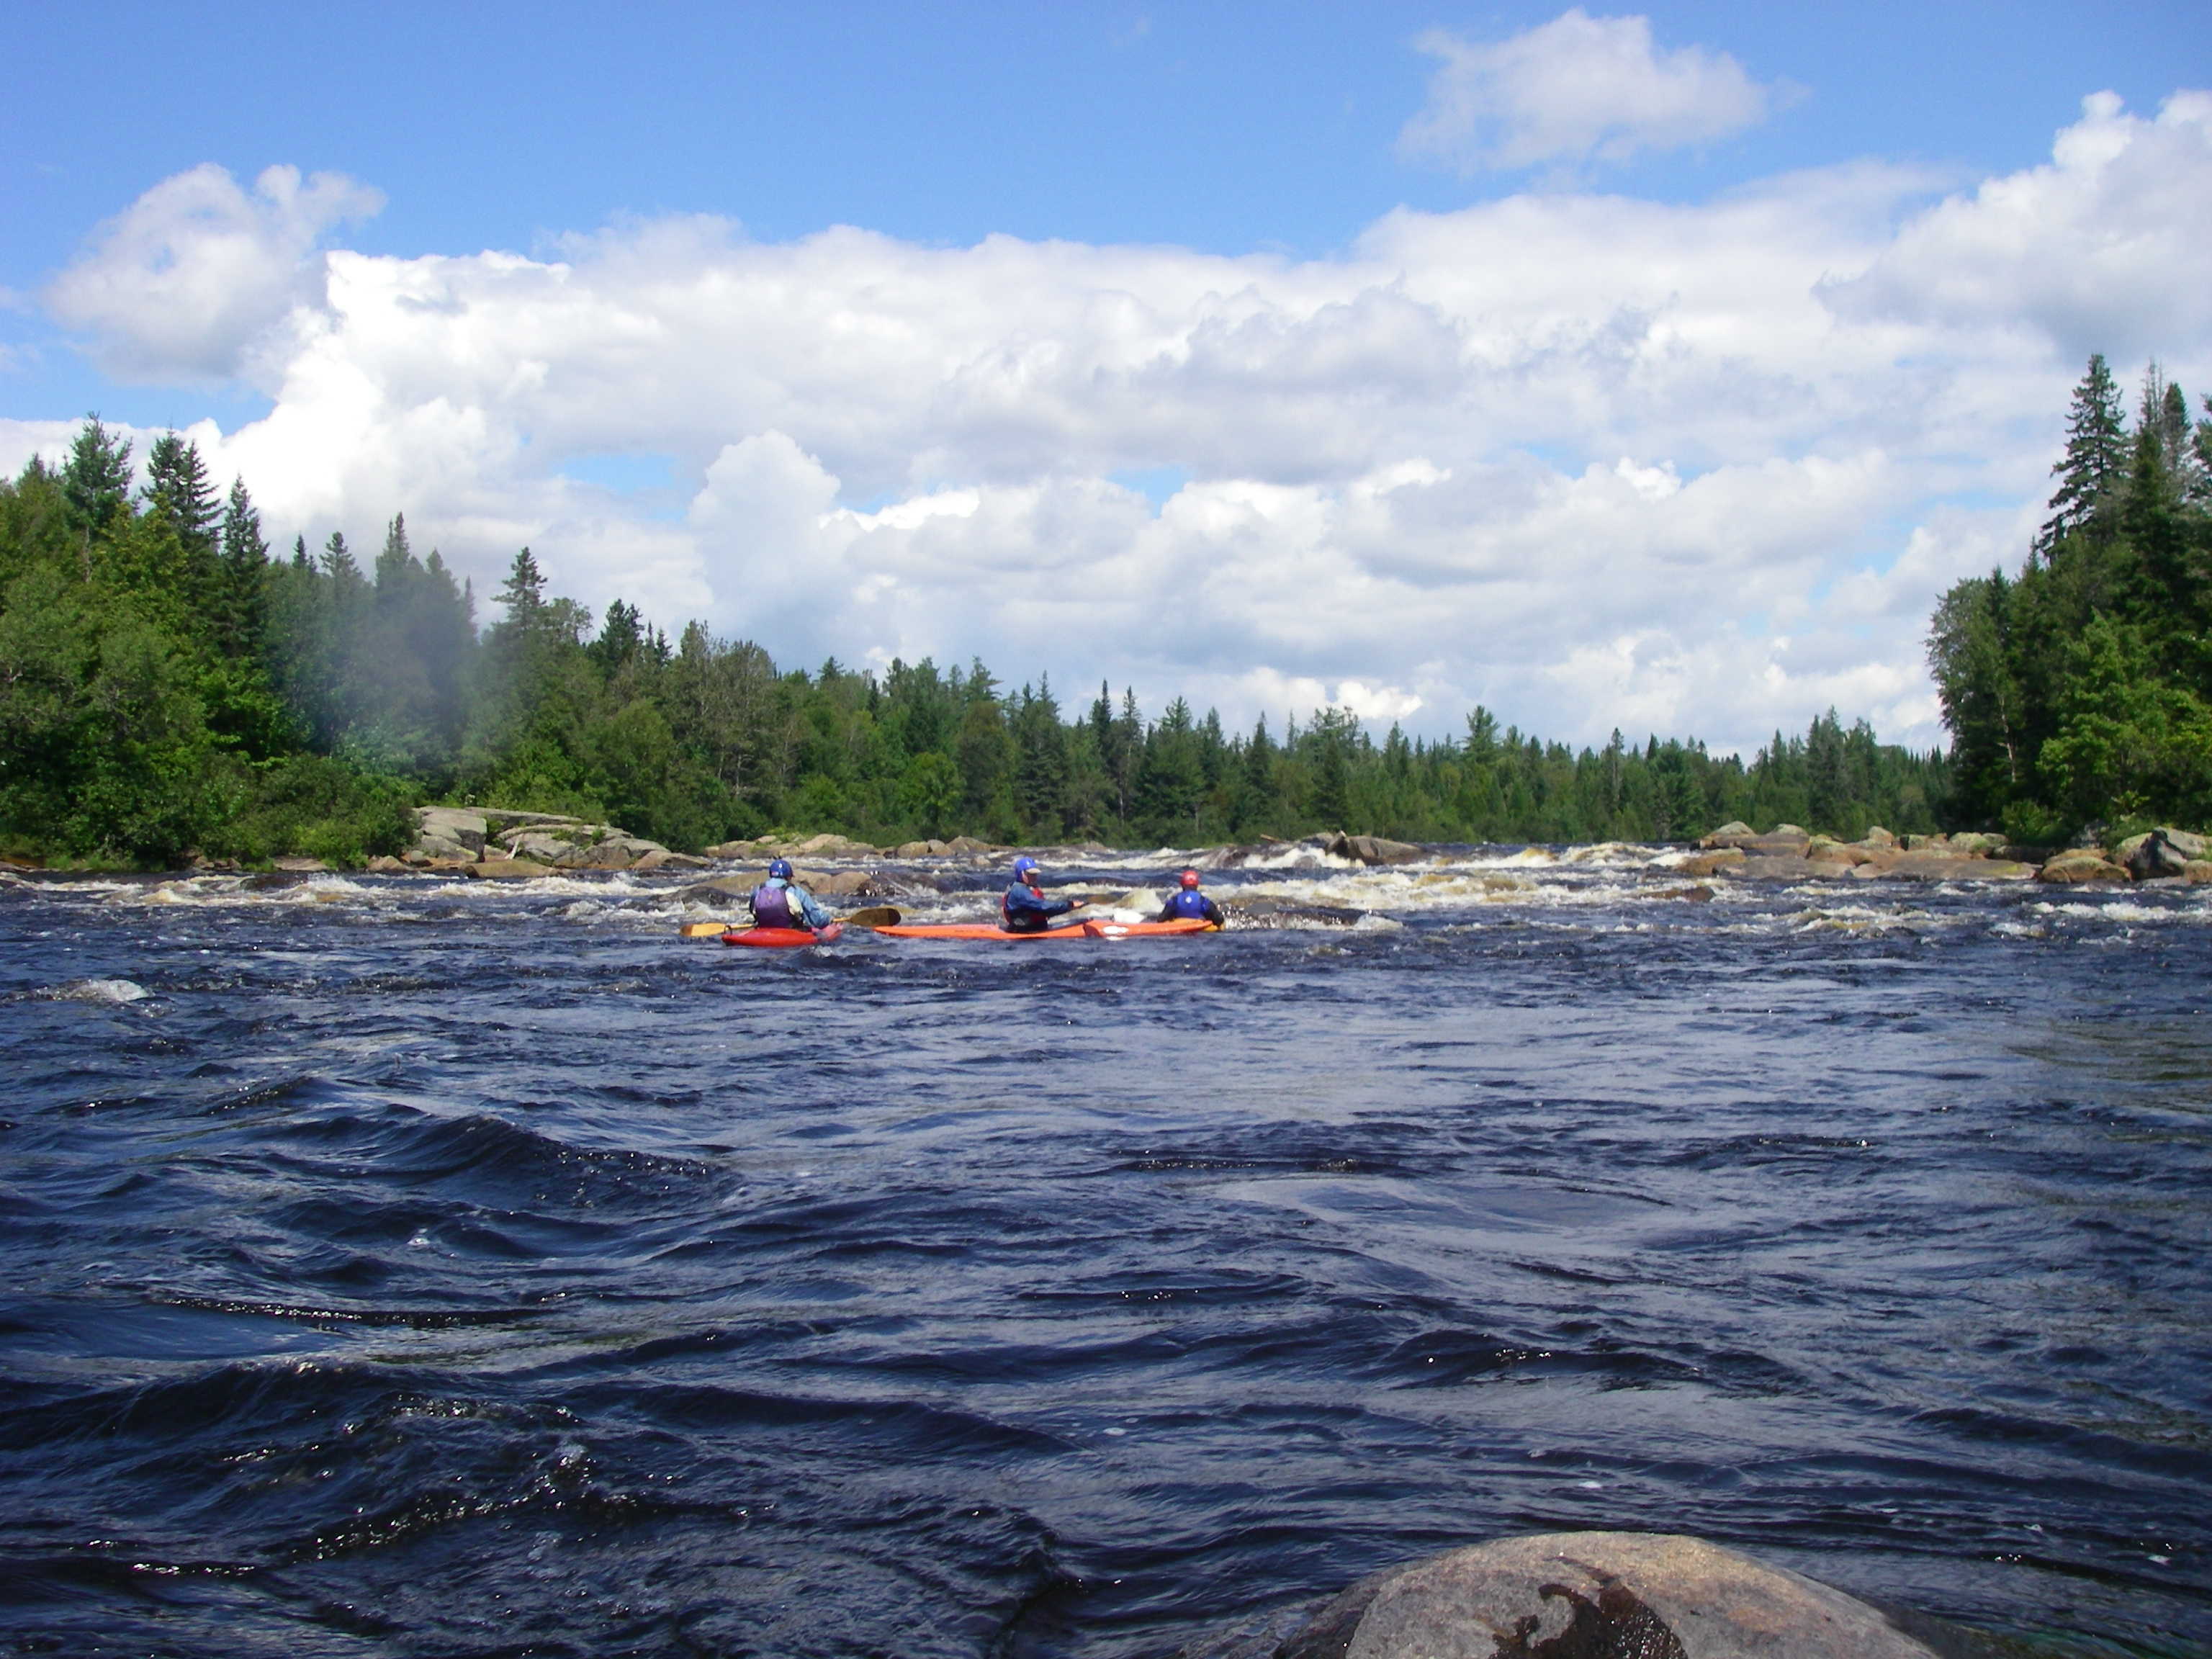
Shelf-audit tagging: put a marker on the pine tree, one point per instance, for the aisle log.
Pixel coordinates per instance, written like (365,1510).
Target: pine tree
(244,558)
(96,478)
(177,491)
(2095,461)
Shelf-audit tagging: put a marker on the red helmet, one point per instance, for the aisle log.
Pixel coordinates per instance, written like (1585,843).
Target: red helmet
(1190,878)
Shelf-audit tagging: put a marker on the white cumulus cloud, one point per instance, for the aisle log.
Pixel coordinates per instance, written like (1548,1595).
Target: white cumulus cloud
(1575,90)
(1695,469)
(188,279)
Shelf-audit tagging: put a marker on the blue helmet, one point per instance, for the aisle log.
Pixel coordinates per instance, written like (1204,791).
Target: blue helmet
(1025,867)
(780,869)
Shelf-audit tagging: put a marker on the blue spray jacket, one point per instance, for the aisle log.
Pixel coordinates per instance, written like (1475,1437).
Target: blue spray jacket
(1025,909)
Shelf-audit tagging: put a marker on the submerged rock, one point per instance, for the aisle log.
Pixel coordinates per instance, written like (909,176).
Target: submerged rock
(1263,913)
(1594,1596)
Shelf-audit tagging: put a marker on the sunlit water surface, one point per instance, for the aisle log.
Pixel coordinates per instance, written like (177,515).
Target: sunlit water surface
(397,1268)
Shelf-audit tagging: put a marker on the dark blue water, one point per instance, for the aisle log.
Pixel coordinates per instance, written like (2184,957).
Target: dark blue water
(392,1270)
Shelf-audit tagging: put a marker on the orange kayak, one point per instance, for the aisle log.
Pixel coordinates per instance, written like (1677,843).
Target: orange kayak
(784,936)
(1085,930)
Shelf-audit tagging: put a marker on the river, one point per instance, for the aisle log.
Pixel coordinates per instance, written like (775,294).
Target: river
(393,1266)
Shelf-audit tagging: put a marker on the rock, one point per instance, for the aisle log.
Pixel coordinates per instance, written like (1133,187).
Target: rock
(458,824)
(1829,851)
(2189,846)
(1776,866)
(2197,870)
(2149,857)
(1728,862)
(969,844)
(1727,834)
(830,846)
(300,866)
(1262,914)
(610,855)
(2078,867)
(1877,837)
(1700,894)
(1596,1596)
(732,849)
(2013,853)
(1973,841)
(718,888)
(452,851)
(1374,849)
(537,845)
(1952,866)
(841,884)
(921,849)
(502,818)
(505,870)
(665,860)
(388,866)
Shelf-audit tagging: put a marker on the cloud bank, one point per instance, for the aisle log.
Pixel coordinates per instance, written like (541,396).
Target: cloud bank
(1690,469)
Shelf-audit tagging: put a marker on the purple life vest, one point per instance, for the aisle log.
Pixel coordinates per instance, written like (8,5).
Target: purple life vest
(772,907)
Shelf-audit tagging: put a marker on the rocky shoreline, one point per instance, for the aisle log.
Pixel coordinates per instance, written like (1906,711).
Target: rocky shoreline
(497,843)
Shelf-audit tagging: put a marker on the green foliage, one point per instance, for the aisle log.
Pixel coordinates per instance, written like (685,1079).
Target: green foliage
(164,686)
(2077,693)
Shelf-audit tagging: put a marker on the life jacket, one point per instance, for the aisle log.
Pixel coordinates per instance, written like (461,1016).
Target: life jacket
(1190,902)
(772,907)
(1027,919)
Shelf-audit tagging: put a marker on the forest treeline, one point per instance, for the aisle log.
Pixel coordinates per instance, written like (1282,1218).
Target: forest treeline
(166,685)
(2079,691)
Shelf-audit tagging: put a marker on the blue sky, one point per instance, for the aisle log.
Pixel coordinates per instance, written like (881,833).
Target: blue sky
(1166,148)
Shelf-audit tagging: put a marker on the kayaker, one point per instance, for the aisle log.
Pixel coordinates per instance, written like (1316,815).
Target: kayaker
(779,902)
(1024,908)
(1187,901)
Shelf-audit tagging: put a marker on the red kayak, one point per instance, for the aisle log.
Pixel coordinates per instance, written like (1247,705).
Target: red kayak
(1085,930)
(785,937)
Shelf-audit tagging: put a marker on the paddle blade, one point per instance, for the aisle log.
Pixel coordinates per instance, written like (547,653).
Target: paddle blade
(705,929)
(874,915)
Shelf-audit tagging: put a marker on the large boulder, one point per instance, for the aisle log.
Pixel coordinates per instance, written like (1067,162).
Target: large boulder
(2150,857)
(1374,850)
(1974,841)
(830,847)
(505,870)
(969,844)
(2079,865)
(1727,834)
(455,824)
(921,849)
(1951,867)
(716,888)
(1877,837)
(1595,1596)
(2188,845)
(1727,861)
(841,884)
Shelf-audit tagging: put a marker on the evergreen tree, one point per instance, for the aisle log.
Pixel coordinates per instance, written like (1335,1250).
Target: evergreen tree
(242,618)
(96,478)
(177,492)
(2090,472)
